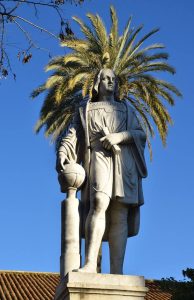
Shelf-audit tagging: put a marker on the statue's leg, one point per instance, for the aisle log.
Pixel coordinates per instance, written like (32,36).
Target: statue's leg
(118,233)
(99,260)
(95,227)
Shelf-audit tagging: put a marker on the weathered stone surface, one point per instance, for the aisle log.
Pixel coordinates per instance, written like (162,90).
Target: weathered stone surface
(70,235)
(91,286)
(106,137)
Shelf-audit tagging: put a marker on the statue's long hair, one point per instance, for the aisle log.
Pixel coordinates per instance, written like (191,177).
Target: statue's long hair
(95,89)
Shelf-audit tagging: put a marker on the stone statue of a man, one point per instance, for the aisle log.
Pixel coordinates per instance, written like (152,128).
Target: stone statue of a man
(107,139)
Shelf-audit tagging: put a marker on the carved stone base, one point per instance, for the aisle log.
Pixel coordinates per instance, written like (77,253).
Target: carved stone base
(89,286)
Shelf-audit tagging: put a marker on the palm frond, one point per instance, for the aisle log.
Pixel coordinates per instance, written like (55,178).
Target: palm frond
(135,63)
(36,92)
(168,86)
(75,44)
(88,84)
(122,43)
(138,45)
(100,31)
(129,45)
(77,79)
(55,63)
(113,37)
(89,35)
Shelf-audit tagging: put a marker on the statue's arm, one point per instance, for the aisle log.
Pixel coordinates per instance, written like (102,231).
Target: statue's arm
(125,137)
(111,139)
(68,151)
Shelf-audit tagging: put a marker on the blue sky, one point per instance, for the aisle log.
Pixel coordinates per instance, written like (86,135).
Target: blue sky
(29,191)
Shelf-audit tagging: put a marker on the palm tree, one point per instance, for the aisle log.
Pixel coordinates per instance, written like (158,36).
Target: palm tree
(134,64)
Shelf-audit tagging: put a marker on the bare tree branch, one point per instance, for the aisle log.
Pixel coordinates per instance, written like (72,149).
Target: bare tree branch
(29,39)
(9,15)
(2,41)
(3,6)
(12,17)
(14,8)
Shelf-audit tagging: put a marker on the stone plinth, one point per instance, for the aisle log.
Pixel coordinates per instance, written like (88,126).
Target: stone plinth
(89,286)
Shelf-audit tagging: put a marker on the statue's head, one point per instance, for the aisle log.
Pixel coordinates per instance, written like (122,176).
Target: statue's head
(105,84)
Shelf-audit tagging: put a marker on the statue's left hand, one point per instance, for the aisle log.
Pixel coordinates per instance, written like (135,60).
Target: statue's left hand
(111,139)
(61,161)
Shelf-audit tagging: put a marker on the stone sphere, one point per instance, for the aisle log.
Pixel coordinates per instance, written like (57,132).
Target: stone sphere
(72,176)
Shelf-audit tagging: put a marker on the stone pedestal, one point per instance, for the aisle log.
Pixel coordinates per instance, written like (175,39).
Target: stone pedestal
(89,286)
(70,235)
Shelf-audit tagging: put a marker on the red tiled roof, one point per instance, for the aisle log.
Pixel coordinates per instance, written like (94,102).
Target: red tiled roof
(16,285)
(155,292)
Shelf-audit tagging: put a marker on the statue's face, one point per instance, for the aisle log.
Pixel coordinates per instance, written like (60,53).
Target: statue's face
(107,82)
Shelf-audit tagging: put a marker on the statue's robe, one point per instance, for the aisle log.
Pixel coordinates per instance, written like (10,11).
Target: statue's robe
(118,176)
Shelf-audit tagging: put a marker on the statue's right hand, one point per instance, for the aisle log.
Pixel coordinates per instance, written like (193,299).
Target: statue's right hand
(61,160)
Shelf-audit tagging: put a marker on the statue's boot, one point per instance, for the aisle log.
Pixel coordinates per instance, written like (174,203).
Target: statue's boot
(118,233)
(88,268)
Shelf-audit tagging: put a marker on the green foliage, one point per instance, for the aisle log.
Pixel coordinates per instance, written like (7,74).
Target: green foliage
(180,290)
(134,64)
